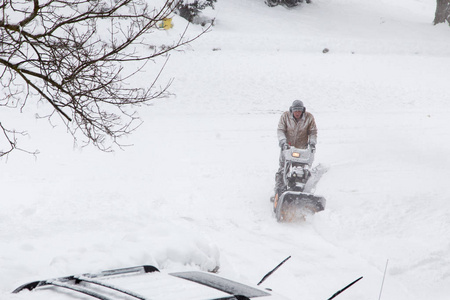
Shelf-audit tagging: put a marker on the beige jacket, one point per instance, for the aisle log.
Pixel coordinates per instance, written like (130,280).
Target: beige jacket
(297,133)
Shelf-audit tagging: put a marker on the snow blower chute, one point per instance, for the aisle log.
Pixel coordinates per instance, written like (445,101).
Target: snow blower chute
(296,199)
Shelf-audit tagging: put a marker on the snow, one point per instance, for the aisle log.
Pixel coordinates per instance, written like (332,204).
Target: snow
(192,193)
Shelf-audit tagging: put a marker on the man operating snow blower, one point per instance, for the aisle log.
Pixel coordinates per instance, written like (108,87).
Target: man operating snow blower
(295,179)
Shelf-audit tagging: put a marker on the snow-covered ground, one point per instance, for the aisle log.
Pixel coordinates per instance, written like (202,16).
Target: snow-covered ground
(193,192)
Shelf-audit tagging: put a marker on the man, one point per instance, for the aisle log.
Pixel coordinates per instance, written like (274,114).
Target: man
(296,128)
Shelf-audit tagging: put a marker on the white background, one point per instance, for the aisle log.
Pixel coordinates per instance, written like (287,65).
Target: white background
(193,192)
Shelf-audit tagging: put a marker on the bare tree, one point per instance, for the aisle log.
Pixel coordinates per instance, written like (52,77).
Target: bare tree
(442,12)
(72,54)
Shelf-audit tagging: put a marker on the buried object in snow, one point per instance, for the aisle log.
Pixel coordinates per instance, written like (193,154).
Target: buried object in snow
(297,200)
(142,282)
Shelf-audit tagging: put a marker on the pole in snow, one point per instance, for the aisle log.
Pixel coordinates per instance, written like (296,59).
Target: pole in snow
(382,283)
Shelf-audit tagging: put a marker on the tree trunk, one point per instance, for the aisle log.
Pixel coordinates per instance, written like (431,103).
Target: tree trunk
(442,12)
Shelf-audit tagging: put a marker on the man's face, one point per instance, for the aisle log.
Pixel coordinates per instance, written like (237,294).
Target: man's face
(297,114)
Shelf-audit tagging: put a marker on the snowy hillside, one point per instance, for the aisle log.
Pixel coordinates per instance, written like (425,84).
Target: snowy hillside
(193,192)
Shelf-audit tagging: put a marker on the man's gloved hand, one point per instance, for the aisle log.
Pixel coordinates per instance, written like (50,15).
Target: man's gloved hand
(313,147)
(283,145)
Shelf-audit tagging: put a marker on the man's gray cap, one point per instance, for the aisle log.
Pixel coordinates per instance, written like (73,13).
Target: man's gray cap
(297,105)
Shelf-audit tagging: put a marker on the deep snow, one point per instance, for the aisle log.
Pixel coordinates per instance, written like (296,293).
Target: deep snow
(193,192)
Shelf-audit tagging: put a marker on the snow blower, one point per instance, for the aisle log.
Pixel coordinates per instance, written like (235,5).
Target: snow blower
(296,199)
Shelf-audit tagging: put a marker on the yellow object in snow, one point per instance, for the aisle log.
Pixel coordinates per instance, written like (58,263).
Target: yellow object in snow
(166,23)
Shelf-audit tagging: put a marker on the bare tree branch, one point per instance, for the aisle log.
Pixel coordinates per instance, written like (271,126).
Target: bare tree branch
(10,136)
(73,54)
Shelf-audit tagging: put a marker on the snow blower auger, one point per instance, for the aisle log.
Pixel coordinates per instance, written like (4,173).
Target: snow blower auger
(296,200)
